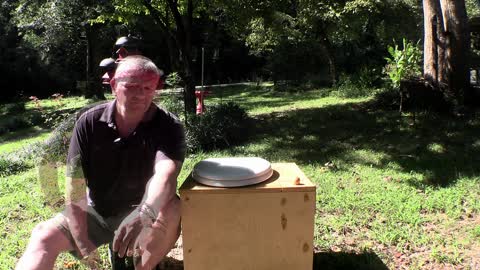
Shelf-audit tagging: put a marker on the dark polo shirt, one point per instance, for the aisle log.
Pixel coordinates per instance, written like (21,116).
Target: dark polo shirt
(117,169)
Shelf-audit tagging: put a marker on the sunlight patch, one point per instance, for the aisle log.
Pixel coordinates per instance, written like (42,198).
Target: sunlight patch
(436,148)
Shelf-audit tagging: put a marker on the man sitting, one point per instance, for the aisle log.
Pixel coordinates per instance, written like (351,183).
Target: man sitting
(122,167)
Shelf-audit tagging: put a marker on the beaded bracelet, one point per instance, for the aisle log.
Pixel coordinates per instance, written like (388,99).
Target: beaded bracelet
(147,210)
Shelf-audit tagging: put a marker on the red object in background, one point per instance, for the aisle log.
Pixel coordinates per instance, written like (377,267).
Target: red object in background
(200,94)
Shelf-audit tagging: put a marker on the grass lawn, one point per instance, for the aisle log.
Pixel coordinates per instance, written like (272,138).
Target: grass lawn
(391,193)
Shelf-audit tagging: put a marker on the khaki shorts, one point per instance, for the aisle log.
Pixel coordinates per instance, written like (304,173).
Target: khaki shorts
(100,230)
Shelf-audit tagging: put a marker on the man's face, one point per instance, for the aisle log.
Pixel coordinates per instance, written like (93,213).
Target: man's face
(134,90)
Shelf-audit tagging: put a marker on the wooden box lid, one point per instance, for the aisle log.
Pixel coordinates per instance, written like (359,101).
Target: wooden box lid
(283,180)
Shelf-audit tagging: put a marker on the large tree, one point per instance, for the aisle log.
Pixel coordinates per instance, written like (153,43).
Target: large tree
(349,34)
(174,20)
(60,34)
(446,47)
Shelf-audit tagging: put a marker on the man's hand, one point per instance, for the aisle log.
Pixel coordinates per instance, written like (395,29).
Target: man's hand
(126,234)
(148,245)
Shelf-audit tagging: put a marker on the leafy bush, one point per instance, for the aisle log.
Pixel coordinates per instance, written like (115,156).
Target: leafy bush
(403,63)
(3,130)
(12,164)
(173,79)
(56,118)
(55,148)
(368,77)
(15,123)
(219,127)
(348,87)
(172,103)
(15,108)
(315,80)
(386,98)
(35,118)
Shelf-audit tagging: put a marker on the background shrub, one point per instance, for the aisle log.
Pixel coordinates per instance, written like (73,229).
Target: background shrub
(14,108)
(12,164)
(172,103)
(219,127)
(55,148)
(349,86)
(403,63)
(16,122)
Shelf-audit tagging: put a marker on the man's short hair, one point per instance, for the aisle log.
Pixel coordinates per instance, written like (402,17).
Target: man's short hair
(139,63)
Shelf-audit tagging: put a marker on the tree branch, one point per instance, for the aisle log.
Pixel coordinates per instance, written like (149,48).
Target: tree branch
(178,20)
(162,21)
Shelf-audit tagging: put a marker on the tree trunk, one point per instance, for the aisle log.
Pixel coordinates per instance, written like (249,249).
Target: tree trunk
(93,87)
(331,62)
(88,67)
(446,47)
(189,75)
(181,37)
(329,52)
(457,50)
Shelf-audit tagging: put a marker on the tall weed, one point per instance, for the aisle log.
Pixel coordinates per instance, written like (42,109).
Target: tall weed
(403,63)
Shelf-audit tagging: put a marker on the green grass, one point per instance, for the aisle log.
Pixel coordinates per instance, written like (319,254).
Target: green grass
(36,120)
(390,192)
(27,137)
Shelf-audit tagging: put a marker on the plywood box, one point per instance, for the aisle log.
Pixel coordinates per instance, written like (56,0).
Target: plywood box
(264,226)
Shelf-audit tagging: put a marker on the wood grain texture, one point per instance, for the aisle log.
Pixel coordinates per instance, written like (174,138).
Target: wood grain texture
(267,226)
(283,179)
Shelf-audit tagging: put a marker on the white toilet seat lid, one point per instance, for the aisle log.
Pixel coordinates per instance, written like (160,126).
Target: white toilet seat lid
(237,171)
(233,183)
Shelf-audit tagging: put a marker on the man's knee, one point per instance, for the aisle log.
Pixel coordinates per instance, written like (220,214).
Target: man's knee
(43,232)
(47,235)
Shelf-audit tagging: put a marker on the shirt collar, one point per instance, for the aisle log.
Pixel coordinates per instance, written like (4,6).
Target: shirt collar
(108,115)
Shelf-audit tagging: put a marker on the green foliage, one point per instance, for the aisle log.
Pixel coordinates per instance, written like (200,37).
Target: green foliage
(55,148)
(172,103)
(14,108)
(403,63)
(219,127)
(12,164)
(15,123)
(173,79)
(473,8)
(348,33)
(353,87)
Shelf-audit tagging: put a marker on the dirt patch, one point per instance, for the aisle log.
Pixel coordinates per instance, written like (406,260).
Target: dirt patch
(174,259)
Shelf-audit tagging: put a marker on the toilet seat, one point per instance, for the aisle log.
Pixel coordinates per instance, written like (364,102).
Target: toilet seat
(232,171)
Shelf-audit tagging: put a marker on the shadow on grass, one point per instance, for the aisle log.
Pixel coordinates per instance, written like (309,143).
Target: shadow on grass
(441,148)
(321,261)
(347,261)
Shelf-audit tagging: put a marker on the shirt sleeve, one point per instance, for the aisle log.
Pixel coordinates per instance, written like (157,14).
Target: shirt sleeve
(178,145)
(175,146)
(77,150)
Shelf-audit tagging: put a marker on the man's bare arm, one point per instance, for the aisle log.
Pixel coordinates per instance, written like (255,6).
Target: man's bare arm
(76,213)
(162,187)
